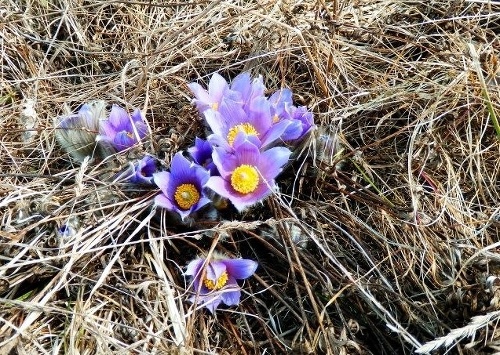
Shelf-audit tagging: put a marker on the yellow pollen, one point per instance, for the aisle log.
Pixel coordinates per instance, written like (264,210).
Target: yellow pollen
(245,179)
(218,284)
(186,195)
(244,127)
(276,119)
(215,106)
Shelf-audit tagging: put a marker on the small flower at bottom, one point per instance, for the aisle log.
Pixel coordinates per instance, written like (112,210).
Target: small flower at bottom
(182,187)
(247,175)
(214,280)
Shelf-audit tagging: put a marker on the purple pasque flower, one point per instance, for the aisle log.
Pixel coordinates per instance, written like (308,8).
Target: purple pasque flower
(305,117)
(301,121)
(230,120)
(249,89)
(214,280)
(217,94)
(201,153)
(143,170)
(182,187)
(121,129)
(247,174)
(77,133)
(280,102)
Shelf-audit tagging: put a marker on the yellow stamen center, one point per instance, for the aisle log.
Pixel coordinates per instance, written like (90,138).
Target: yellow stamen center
(244,127)
(215,106)
(276,119)
(217,284)
(186,195)
(245,179)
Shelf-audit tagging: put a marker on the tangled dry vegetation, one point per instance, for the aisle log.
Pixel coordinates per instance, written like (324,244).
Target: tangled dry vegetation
(385,236)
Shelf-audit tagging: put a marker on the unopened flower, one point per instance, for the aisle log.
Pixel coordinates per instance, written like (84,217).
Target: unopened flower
(247,174)
(214,281)
(121,129)
(141,172)
(213,98)
(69,228)
(201,153)
(77,133)
(182,187)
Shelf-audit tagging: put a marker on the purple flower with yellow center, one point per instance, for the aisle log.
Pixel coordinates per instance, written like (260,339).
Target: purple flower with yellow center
(247,174)
(218,92)
(121,129)
(143,170)
(214,280)
(230,120)
(201,153)
(182,187)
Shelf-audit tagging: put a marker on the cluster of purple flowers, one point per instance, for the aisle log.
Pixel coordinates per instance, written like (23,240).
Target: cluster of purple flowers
(250,142)
(246,150)
(92,132)
(239,161)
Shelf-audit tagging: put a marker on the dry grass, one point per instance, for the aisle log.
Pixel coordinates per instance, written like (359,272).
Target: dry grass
(387,245)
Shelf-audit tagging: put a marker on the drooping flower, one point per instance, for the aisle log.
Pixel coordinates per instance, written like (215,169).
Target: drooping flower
(141,172)
(77,133)
(121,129)
(182,187)
(201,153)
(247,174)
(217,94)
(214,280)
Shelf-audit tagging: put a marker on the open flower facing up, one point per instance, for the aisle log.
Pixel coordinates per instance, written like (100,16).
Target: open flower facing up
(182,187)
(214,281)
(122,130)
(141,172)
(247,174)
(230,120)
